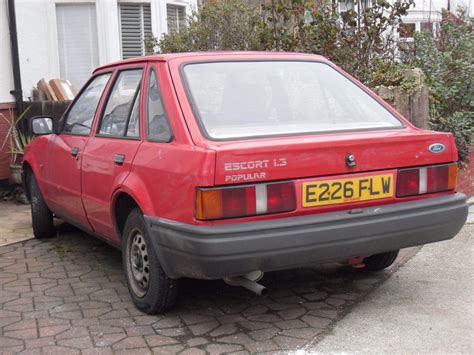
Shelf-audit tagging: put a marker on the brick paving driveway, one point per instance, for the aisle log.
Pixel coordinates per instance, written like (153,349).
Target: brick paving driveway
(68,295)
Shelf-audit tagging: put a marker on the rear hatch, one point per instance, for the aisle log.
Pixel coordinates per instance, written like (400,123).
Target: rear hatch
(324,176)
(295,134)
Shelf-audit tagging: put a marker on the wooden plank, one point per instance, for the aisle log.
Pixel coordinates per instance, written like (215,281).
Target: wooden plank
(47,90)
(63,89)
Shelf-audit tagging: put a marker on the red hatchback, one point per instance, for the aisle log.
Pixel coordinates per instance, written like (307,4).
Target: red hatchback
(227,165)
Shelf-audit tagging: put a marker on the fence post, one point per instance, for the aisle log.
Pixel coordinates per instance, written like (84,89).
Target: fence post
(412,101)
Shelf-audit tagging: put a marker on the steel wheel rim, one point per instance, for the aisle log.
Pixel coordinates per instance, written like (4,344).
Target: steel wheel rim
(138,264)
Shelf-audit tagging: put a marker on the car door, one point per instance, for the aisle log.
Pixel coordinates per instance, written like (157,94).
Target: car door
(65,151)
(108,156)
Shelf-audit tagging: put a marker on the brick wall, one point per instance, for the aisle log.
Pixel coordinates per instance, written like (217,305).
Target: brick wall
(54,109)
(4,148)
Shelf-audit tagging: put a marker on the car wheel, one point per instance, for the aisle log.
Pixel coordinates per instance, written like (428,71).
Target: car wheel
(152,291)
(380,261)
(41,216)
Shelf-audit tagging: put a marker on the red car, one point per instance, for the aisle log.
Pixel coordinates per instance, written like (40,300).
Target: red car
(227,165)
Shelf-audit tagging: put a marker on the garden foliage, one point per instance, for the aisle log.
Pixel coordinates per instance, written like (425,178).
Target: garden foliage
(365,45)
(447,61)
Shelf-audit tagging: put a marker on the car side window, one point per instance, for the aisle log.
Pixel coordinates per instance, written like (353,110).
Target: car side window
(133,129)
(81,114)
(121,104)
(158,128)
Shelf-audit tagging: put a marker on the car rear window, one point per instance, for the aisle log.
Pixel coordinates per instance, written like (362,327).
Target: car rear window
(252,99)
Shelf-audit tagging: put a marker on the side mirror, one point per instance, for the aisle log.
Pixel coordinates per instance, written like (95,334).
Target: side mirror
(41,125)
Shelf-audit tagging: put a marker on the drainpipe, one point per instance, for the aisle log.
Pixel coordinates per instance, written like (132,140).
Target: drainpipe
(17,92)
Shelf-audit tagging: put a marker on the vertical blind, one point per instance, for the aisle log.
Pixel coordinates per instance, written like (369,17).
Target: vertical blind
(135,26)
(77,41)
(176,17)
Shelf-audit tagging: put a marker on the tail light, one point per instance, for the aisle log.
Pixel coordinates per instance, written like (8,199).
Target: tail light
(242,201)
(425,180)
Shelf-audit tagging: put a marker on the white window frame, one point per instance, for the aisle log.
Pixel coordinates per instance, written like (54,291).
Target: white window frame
(137,2)
(177,4)
(409,39)
(109,43)
(188,5)
(55,33)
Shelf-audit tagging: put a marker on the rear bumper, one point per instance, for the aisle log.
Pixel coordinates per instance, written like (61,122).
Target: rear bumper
(211,252)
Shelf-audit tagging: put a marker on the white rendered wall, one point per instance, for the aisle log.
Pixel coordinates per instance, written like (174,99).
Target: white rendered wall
(36,27)
(6,74)
(430,10)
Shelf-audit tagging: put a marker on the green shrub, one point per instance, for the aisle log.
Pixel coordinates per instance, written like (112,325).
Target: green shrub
(447,61)
(360,44)
(218,25)
(365,45)
(461,124)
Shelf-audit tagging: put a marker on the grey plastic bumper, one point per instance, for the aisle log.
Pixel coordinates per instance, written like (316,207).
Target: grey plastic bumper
(211,252)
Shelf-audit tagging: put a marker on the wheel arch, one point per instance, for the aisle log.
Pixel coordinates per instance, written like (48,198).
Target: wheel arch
(26,171)
(122,206)
(123,202)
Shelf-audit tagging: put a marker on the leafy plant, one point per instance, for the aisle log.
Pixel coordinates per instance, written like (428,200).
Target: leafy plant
(360,42)
(363,43)
(447,61)
(217,25)
(16,139)
(461,125)
(59,248)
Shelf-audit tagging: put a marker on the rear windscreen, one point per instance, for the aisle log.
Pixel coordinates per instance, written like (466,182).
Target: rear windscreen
(252,99)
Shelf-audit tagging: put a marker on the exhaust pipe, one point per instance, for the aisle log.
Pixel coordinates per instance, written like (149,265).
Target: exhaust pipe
(249,282)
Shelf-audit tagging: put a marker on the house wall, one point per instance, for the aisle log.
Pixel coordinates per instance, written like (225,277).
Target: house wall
(39,52)
(38,38)
(36,32)
(430,10)
(6,75)
(6,84)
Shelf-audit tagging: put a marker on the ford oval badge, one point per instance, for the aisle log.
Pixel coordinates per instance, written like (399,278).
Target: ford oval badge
(436,148)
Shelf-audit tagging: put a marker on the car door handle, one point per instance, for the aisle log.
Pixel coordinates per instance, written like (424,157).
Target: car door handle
(119,159)
(74,152)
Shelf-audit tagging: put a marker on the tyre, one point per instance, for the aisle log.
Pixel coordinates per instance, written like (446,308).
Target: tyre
(41,216)
(152,291)
(381,261)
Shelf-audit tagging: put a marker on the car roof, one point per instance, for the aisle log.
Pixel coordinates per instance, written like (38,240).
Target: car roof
(214,56)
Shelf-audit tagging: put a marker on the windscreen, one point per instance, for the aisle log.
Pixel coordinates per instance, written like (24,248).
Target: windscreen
(251,99)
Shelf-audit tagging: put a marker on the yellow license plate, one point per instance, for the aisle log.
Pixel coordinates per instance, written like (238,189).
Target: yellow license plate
(330,192)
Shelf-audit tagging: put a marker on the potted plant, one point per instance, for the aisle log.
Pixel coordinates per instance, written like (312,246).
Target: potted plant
(17,142)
